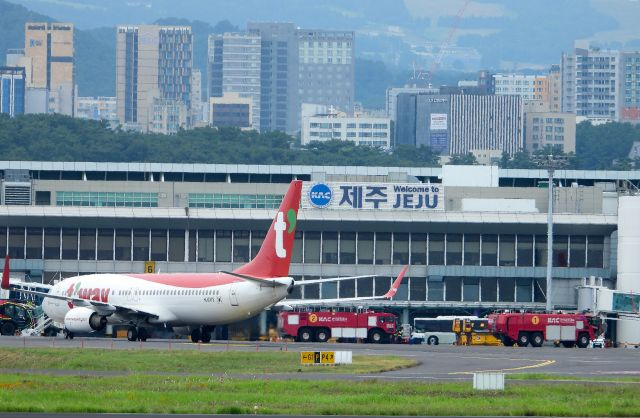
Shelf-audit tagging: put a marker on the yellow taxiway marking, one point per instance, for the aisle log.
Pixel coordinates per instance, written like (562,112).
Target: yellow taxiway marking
(510,369)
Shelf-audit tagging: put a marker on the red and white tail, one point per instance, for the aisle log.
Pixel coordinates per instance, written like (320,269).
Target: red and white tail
(274,256)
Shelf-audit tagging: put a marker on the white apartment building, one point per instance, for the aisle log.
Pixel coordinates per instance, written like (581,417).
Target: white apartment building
(529,87)
(363,130)
(590,78)
(97,108)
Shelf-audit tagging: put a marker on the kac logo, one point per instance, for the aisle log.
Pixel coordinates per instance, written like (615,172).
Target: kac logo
(320,195)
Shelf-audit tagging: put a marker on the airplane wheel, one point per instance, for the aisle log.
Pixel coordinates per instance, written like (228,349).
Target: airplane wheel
(206,336)
(143,334)
(68,335)
(195,335)
(132,334)
(8,328)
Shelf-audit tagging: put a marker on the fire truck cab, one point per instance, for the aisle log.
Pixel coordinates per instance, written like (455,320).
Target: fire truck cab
(319,326)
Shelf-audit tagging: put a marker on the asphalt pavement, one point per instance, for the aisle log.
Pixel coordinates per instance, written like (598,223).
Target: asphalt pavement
(436,363)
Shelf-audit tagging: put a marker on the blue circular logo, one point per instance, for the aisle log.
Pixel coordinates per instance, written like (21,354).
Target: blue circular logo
(320,195)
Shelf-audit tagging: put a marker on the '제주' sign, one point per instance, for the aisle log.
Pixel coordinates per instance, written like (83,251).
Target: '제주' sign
(373,196)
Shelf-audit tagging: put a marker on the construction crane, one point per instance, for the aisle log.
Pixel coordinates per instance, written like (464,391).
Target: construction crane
(443,46)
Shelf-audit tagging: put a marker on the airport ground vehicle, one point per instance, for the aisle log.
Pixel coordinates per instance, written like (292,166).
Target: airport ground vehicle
(474,332)
(434,331)
(14,317)
(376,327)
(535,328)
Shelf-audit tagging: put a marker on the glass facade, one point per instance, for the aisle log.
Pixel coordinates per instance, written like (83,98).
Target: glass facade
(212,200)
(107,199)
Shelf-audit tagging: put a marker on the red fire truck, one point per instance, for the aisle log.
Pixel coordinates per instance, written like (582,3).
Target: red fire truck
(569,329)
(319,326)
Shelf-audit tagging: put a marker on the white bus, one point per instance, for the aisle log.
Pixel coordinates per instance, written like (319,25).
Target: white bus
(434,331)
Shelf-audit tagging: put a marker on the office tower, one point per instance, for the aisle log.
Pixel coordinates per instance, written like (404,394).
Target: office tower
(279,104)
(423,119)
(392,97)
(327,68)
(486,123)
(153,69)
(12,90)
(50,48)
(235,67)
(590,83)
(230,110)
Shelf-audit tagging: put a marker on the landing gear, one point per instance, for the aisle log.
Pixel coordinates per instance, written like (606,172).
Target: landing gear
(68,335)
(201,334)
(132,334)
(137,333)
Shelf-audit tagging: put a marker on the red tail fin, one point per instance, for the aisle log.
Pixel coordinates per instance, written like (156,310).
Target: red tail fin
(274,256)
(5,273)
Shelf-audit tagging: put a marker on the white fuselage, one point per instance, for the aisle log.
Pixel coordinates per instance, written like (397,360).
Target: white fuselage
(214,300)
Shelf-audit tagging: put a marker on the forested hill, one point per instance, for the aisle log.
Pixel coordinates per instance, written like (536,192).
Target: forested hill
(62,138)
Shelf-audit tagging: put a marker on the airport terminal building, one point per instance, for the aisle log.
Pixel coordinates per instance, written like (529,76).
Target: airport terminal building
(475,237)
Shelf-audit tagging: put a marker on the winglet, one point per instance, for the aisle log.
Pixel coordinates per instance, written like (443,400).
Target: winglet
(5,273)
(396,284)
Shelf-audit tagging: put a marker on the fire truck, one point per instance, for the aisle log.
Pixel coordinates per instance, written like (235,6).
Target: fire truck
(319,326)
(568,329)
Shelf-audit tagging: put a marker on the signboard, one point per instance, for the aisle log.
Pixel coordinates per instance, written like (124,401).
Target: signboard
(438,122)
(317,357)
(150,267)
(373,196)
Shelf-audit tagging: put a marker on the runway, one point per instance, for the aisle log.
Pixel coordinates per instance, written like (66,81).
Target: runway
(437,363)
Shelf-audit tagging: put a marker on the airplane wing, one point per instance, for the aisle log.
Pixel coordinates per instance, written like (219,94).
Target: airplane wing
(100,307)
(309,302)
(332,279)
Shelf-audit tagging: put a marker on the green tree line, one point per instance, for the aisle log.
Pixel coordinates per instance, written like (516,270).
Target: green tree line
(62,138)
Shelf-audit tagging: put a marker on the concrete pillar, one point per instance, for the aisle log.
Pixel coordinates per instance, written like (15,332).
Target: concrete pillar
(628,280)
(263,324)
(405,316)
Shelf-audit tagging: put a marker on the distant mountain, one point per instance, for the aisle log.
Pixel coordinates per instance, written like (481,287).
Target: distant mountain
(96,48)
(495,34)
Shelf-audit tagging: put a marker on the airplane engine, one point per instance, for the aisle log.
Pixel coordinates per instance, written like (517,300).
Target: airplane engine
(84,320)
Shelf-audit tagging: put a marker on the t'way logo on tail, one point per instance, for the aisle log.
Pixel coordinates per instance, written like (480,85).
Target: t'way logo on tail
(274,256)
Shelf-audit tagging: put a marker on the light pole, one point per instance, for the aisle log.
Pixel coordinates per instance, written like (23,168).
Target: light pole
(551,163)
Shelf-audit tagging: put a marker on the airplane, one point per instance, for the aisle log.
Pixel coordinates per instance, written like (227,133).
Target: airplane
(191,303)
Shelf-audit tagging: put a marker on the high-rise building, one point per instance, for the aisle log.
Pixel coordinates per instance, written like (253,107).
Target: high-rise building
(590,83)
(327,68)
(234,62)
(279,103)
(629,87)
(12,90)
(153,68)
(555,88)
(50,48)
(486,123)
(392,97)
(423,119)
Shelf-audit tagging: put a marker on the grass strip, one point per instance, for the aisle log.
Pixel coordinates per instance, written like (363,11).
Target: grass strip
(559,377)
(167,394)
(178,361)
